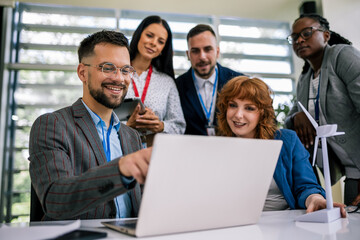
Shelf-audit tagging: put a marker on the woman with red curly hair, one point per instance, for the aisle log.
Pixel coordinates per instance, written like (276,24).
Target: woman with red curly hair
(245,110)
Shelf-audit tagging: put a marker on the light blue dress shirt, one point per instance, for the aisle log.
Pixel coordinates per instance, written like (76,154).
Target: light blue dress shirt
(123,201)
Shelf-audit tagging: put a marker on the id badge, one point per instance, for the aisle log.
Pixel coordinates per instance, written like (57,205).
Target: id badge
(210,130)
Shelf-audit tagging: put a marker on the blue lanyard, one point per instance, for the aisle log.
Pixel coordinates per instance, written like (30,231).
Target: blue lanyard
(106,144)
(317,102)
(207,112)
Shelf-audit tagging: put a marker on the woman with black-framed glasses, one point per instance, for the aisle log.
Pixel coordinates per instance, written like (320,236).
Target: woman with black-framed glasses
(151,55)
(329,87)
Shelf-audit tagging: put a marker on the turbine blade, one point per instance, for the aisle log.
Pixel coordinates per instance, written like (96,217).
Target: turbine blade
(311,119)
(316,144)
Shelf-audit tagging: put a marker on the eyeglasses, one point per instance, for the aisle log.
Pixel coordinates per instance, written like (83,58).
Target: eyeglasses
(305,34)
(110,70)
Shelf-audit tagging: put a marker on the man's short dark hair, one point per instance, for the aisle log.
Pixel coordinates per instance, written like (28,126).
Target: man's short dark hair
(87,45)
(200,28)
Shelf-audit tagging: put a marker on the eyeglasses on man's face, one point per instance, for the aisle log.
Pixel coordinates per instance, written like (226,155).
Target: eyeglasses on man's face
(110,70)
(305,34)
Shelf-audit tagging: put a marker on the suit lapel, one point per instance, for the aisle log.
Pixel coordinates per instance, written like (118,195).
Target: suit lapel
(85,123)
(123,142)
(221,78)
(324,81)
(303,89)
(192,96)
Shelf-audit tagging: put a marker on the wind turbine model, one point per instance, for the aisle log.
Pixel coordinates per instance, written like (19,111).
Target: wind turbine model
(330,213)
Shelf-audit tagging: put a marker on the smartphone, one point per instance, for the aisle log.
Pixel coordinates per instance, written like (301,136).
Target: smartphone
(127,107)
(82,235)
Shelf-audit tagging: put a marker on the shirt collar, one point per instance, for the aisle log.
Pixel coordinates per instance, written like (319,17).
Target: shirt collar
(96,120)
(201,81)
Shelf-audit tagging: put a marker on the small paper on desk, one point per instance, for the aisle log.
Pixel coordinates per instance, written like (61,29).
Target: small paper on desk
(37,232)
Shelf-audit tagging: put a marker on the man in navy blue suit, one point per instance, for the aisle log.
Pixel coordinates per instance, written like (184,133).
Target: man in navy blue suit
(198,87)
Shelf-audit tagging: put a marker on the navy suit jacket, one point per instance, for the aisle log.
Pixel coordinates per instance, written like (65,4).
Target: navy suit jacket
(68,166)
(190,103)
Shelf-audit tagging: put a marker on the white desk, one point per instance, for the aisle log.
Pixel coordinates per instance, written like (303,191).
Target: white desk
(272,225)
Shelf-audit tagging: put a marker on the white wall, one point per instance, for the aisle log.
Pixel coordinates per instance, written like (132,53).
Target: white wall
(344,17)
(284,10)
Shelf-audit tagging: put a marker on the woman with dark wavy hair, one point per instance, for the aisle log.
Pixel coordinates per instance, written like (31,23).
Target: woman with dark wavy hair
(329,88)
(151,55)
(245,110)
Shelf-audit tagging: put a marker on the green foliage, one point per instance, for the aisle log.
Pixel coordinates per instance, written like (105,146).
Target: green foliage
(22,181)
(21,208)
(21,219)
(282,111)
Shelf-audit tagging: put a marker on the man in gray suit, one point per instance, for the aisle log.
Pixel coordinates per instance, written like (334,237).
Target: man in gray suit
(83,162)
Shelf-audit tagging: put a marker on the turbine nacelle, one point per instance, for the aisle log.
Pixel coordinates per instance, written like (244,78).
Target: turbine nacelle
(328,130)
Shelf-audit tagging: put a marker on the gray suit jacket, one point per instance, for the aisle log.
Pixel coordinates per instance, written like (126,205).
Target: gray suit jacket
(68,166)
(339,96)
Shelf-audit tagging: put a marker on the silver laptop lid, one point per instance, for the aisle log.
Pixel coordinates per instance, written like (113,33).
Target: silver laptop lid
(202,182)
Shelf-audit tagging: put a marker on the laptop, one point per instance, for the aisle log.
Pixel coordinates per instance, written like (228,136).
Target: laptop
(203,182)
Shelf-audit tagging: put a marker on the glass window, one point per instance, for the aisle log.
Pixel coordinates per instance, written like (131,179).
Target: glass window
(258,48)
(51,38)
(252,32)
(67,20)
(257,66)
(48,57)
(279,84)
(254,49)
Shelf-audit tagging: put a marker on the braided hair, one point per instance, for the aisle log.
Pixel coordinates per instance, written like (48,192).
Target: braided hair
(335,38)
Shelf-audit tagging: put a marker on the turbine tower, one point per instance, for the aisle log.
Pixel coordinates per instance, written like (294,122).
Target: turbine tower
(330,213)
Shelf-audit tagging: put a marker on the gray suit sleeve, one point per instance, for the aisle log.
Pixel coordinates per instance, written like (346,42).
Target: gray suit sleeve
(348,69)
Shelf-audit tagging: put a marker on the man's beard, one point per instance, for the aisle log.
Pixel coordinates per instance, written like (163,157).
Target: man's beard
(101,98)
(205,75)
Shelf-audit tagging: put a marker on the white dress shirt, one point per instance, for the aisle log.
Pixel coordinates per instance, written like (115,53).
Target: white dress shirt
(205,87)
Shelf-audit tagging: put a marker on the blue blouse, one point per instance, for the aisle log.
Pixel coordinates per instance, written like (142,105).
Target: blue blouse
(293,173)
